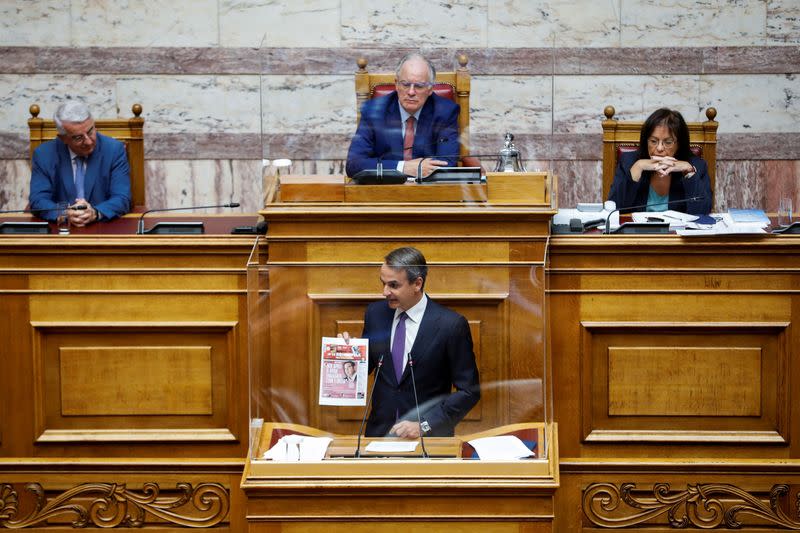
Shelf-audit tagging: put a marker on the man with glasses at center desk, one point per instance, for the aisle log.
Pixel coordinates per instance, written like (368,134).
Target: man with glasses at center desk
(403,128)
(80,167)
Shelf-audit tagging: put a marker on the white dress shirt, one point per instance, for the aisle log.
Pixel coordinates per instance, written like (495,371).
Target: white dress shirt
(412,324)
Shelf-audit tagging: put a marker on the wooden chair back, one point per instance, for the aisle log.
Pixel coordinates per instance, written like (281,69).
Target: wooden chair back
(619,137)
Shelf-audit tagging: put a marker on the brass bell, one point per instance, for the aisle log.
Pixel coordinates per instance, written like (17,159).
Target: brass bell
(509,159)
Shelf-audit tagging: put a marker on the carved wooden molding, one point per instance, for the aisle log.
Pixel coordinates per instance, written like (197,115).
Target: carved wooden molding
(113,505)
(711,505)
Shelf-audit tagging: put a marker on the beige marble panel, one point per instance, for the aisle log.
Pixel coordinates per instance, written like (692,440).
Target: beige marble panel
(313,104)
(302,23)
(545,23)
(753,104)
(204,182)
(18,92)
(783,22)
(693,22)
(196,104)
(41,23)
(519,104)
(578,101)
(410,23)
(16,177)
(144,23)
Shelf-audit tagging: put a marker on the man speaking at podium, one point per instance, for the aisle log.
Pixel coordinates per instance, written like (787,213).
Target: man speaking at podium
(407,324)
(400,129)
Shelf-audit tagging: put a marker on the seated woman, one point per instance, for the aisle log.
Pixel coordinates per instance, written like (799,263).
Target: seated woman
(663,173)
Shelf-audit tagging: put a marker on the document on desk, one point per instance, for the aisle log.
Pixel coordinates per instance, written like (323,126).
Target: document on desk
(392,446)
(675,219)
(502,448)
(725,225)
(298,448)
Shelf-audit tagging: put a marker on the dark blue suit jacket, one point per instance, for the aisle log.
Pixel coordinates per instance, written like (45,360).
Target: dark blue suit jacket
(380,133)
(107,179)
(628,193)
(443,359)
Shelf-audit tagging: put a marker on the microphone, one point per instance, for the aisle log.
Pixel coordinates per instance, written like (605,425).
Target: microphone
(366,408)
(635,207)
(416,403)
(81,207)
(140,225)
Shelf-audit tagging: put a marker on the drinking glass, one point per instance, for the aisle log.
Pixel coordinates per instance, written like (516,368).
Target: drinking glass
(785,211)
(62,219)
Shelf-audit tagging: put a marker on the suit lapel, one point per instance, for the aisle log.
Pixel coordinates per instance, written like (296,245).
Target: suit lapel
(92,165)
(422,137)
(427,331)
(394,130)
(65,171)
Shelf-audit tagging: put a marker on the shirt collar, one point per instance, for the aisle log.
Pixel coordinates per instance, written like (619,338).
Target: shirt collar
(405,114)
(416,312)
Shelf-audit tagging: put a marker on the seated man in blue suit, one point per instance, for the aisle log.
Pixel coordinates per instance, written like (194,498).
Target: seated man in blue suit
(80,167)
(404,127)
(408,327)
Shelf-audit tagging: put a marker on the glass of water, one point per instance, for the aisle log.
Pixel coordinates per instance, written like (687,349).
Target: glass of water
(62,220)
(785,211)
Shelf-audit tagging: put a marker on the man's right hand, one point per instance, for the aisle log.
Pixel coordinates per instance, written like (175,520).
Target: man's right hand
(346,336)
(411,166)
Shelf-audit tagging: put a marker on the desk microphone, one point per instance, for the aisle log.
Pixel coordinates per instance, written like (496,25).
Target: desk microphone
(416,403)
(635,207)
(366,408)
(140,224)
(81,207)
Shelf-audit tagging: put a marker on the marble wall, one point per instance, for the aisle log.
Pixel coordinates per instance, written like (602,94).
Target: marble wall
(227,83)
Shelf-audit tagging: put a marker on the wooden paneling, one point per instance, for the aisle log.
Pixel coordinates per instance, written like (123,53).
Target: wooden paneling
(684,381)
(121,346)
(674,374)
(100,381)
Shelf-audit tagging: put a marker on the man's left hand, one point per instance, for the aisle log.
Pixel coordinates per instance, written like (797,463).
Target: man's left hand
(406,429)
(82,217)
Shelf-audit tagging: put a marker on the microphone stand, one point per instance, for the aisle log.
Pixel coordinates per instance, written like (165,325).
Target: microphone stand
(416,403)
(140,224)
(357,454)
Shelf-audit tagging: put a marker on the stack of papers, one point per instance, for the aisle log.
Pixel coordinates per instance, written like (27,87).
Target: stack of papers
(676,219)
(502,448)
(297,448)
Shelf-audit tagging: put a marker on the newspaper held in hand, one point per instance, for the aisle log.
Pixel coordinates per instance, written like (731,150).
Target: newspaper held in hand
(343,371)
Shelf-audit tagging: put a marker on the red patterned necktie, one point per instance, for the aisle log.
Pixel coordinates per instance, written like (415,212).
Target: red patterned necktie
(408,142)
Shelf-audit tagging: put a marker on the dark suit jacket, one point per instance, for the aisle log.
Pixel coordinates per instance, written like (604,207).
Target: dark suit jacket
(443,358)
(628,193)
(380,133)
(107,180)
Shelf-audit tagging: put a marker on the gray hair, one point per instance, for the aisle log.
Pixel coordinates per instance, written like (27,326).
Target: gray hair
(416,55)
(71,111)
(410,260)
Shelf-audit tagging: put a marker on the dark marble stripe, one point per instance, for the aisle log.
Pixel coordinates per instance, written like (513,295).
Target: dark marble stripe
(482,61)
(558,147)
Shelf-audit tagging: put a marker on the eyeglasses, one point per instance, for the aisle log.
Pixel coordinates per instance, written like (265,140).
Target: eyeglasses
(418,85)
(668,143)
(83,137)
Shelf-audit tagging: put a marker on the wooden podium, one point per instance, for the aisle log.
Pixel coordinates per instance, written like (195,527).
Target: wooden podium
(485,247)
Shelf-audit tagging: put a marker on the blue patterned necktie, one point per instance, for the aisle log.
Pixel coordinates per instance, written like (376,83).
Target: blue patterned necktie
(80,191)
(399,346)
